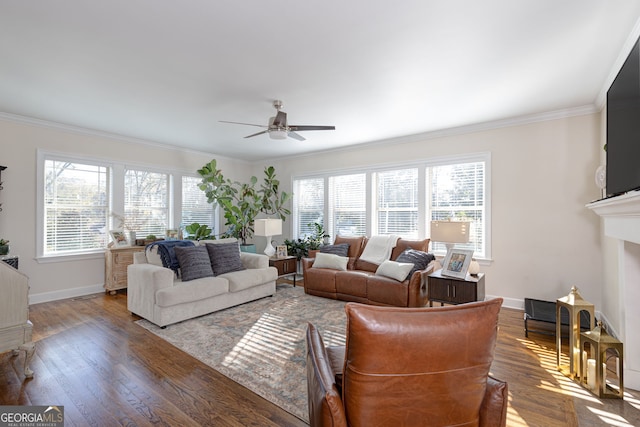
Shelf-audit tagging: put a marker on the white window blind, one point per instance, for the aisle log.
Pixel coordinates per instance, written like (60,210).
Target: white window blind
(457,193)
(75,207)
(348,205)
(397,202)
(195,207)
(146,202)
(308,205)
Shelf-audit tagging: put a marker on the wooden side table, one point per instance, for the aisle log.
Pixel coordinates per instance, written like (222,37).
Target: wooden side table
(116,262)
(450,290)
(287,266)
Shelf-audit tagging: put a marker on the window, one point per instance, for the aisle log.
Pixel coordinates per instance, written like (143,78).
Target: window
(195,207)
(308,205)
(396,203)
(347,205)
(80,199)
(401,201)
(75,207)
(457,193)
(146,202)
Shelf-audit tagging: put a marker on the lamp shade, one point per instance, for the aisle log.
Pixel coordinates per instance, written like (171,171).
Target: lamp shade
(268,227)
(450,231)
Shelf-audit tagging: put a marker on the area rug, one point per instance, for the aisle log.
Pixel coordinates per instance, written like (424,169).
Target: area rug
(261,344)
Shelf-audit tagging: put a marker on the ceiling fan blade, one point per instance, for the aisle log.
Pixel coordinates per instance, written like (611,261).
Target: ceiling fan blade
(240,123)
(256,134)
(296,136)
(280,120)
(303,127)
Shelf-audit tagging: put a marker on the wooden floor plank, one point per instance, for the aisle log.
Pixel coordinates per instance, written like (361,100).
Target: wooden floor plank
(105,370)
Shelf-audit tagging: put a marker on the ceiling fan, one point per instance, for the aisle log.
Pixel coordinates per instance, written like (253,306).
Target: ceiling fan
(278,127)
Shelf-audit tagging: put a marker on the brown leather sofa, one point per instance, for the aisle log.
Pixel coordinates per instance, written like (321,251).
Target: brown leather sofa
(408,367)
(359,282)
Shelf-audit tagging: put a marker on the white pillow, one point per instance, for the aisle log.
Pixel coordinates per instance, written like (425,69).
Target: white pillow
(332,261)
(394,270)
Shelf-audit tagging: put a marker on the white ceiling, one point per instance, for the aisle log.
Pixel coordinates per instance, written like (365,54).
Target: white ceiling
(168,71)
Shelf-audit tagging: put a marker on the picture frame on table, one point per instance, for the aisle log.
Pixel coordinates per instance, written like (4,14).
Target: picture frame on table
(119,238)
(456,263)
(172,234)
(281,251)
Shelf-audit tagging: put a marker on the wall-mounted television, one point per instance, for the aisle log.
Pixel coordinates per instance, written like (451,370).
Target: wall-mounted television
(623,127)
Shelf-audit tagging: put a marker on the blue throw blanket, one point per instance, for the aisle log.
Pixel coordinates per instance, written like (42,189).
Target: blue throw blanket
(167,254)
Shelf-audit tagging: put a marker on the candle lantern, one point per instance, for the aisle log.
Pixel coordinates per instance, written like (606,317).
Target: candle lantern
(574,303)
(600,342)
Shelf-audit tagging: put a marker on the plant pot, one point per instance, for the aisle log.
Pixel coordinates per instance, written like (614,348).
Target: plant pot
(4,250)
(249,247)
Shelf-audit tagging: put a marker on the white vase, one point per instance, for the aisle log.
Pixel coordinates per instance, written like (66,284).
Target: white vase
(474,267)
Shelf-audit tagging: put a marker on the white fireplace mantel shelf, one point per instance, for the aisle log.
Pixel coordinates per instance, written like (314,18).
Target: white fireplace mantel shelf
(621,216)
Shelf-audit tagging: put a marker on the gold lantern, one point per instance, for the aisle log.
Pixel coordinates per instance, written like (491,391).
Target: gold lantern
(594,374)
(574,303)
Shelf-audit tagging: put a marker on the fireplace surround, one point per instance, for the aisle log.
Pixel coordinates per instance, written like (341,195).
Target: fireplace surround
(621,221)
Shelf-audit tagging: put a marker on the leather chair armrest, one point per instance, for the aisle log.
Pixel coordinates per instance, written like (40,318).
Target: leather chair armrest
(325,404)
(493,412)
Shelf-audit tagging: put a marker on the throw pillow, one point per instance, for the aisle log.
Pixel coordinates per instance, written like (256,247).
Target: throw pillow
(332,261)
(419,259)
(194,262)
(341,249)
(394,270)
(225,257)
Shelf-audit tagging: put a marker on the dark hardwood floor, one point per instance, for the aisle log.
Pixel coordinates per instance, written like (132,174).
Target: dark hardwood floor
(107,371)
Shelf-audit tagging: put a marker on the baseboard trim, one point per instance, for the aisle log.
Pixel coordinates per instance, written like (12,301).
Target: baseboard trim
(65,293)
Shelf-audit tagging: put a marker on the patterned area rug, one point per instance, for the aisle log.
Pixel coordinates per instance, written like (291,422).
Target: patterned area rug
(261,344)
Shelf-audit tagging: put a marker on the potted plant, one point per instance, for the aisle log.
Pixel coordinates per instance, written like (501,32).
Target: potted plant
(197,231)
(4,247)
(243,202)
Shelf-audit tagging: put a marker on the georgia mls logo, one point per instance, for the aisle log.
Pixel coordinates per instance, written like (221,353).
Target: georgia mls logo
(31,416)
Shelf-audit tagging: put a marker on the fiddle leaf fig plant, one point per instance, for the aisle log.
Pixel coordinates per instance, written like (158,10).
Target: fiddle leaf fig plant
(243,202)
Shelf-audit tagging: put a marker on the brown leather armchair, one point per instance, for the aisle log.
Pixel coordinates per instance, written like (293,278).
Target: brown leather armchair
(408,367)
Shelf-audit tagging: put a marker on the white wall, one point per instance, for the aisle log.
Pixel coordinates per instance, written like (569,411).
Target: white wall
(19,143)
(544,239)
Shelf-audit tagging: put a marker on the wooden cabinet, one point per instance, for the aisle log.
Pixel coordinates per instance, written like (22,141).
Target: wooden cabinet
(449,290)
(116,262)
(287,266)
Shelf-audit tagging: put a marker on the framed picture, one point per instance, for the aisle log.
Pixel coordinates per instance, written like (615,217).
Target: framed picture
(119,238)
(172,234)
(456,263)
(281,251)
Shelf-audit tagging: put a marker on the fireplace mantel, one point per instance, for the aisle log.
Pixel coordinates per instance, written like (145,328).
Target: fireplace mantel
(621,216)
(621,221)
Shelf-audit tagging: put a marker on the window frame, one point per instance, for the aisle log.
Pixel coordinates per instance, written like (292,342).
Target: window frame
(424,193)
(115,193)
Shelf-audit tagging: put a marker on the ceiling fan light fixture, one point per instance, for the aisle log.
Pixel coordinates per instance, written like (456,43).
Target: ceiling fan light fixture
(278,134)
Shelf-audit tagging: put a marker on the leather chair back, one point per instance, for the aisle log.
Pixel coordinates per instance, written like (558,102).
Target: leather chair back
(418,366)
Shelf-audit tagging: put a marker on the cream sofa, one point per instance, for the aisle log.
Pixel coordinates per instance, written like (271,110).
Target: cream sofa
(156,294)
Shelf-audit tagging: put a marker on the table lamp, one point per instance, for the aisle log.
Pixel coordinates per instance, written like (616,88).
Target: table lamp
(268,228)
(450,232)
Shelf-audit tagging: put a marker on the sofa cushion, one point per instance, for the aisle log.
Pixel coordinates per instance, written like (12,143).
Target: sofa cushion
(402,245)
(195,290)
(194,262)
(385,291)
(331,261)
(419,259)
(352,283)
(225,257)
(341,249)
(394,270)
(356,243)
(248,278)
